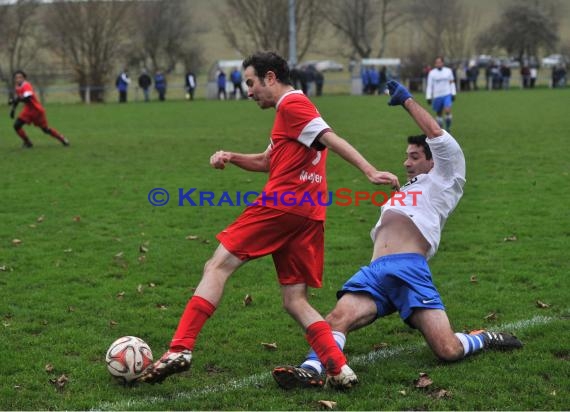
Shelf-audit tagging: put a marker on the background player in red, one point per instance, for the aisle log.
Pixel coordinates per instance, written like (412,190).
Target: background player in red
(290,230)
(33,111)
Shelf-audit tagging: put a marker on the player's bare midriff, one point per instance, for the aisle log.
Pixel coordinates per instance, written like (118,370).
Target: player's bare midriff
(398,234)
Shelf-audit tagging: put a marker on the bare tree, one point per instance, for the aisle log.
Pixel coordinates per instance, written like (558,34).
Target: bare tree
(251,25)
(90,35)
(523,29)
(443,25)
(364,25)
(19,46)
(166,34)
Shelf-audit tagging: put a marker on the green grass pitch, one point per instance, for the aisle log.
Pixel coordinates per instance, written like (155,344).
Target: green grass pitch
(78,278)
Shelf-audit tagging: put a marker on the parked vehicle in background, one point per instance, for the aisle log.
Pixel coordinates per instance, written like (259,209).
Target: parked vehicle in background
(323,65)
(554,60)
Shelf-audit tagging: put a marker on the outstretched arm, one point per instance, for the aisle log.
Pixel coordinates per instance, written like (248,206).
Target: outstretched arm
(258,162)
(345,150)
(401,96)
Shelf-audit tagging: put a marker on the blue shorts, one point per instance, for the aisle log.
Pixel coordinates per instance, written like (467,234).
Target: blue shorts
(400,282)
(440,103)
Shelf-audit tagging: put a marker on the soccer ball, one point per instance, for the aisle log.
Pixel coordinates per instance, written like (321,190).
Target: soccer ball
(127,358)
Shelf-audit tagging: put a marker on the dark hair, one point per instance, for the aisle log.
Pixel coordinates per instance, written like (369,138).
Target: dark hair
(263,62)
(420,140)
(20,72)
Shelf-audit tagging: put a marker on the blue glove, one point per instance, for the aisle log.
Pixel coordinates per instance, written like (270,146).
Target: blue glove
(399,94)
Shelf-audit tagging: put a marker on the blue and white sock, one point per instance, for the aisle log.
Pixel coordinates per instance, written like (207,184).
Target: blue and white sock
(312,361)
(471,343)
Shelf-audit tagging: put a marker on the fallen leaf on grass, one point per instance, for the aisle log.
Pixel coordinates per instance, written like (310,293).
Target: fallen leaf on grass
(5,268)
(473,279)
(248,300)
(113,323)
(119,255)
(68,250)
(71,309)
(151,285)
(491,316)
(191,237)
(60,382)
(161,306)
(423,381)
(379,346)
(511,238)
(270,346)
(403,393)
(16,242)
(440,394)
(542,305)
(143,249)
(32,226)
(141,258)
(327,404)
(40,219)
(49,368)
(140,288)
(120,295)
(77,218)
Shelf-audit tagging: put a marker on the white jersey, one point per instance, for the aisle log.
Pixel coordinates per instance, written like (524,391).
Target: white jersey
(440,82)
(436,192)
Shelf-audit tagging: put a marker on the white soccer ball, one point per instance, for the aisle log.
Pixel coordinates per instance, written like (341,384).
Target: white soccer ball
(127,358)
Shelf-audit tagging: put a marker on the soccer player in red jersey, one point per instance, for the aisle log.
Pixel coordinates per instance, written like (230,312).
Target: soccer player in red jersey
(290,228)
(33,111)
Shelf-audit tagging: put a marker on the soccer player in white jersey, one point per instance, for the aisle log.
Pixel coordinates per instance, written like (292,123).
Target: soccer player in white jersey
(398,278)
(441,91)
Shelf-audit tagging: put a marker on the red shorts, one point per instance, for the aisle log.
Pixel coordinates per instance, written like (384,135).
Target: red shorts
(34,117)
(296,243)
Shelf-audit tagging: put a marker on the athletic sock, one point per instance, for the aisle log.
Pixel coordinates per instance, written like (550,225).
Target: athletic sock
(321,338)
(312,361)
(448,119)
(54,133)
(23,135)
(197,312)
(439,120)
(471,343)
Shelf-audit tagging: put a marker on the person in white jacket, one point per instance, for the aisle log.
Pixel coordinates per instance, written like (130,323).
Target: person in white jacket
(441,91)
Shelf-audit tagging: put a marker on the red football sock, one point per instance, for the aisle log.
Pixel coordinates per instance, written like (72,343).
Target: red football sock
(54,133)
(197,312)
(22,135)
(320,337)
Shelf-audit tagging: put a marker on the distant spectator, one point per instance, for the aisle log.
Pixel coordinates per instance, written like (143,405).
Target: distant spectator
(319,82)
(235,77)
(122,84)
(160,85)
(473,75)
(365,77)
(461,74)
(505,76)
(190,83)
(533,74)
(525,76)
(144,83)
(559,76)
(222,95)
(382,78)
(374,78)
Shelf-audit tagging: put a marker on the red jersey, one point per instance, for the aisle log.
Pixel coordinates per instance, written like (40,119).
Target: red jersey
(297,172)
(26,90)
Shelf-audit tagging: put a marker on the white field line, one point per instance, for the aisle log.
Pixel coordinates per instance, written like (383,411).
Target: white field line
(262,377)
